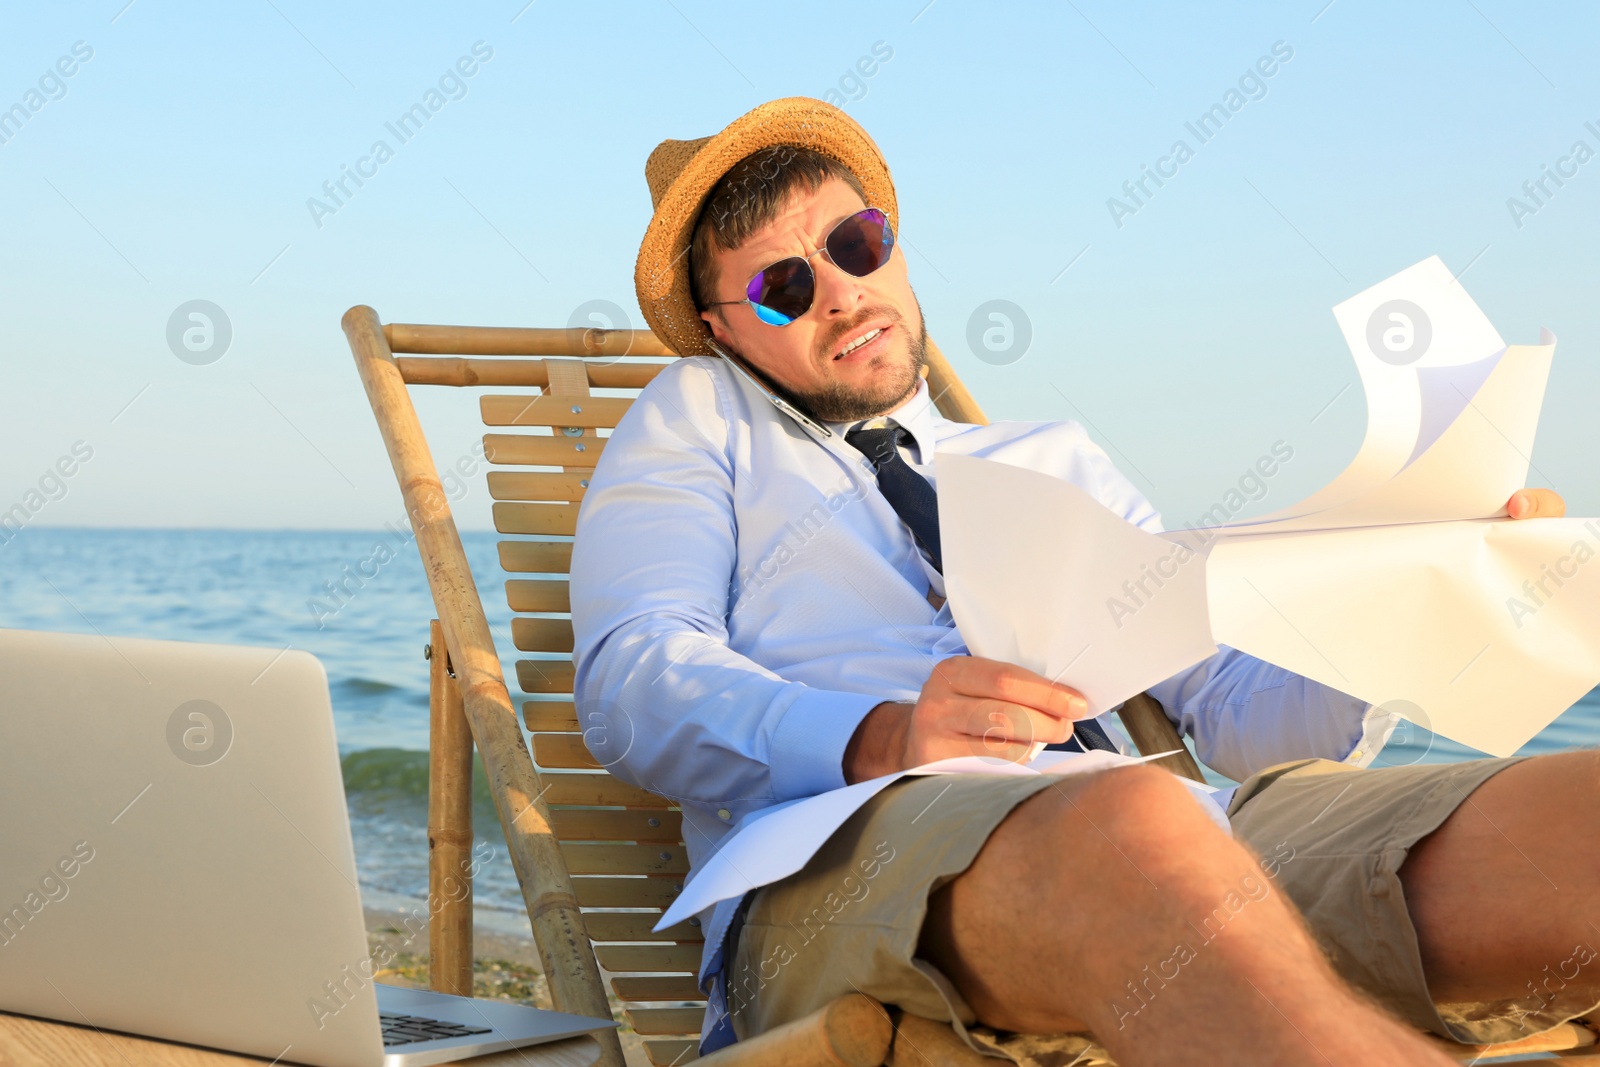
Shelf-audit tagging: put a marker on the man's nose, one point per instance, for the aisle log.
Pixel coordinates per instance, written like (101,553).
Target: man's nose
(838,293)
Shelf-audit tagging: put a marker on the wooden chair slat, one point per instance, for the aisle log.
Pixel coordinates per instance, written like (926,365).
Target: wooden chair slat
(538,486)
(545,676)
(653,959)
(542,450)
(457,370)
(674,1053)
(421,339)
(542,635)
(653,858)
(529,594)
(635,926)
(549,716)
(566,751)
(656,987)
(547,557)
(592,412)
(559,519)
(602,789)
(619,892)
(666,1020)
(578,824)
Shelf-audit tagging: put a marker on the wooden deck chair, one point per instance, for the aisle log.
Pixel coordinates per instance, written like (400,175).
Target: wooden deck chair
(598,860)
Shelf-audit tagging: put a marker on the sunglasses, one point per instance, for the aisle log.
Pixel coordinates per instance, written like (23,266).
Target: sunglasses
(784,291)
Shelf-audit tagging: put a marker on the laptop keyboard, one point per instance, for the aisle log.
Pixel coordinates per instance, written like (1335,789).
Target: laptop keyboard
(406,1029)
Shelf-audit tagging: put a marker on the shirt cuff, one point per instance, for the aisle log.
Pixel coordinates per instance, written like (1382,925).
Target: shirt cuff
(1376,726)
(807,753)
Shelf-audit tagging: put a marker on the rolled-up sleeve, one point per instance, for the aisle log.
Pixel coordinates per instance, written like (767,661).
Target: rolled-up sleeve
(663,700)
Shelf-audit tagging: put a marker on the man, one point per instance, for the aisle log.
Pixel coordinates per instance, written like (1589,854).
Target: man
(757,607)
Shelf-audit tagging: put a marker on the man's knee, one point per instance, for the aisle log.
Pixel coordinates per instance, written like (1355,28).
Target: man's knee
(1105,869)
(1137,807)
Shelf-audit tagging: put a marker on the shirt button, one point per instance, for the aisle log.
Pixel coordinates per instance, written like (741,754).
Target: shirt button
(724,814)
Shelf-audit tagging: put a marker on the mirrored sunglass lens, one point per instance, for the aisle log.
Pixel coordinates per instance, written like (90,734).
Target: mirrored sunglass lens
(782,292)
(861,243)
(771,317)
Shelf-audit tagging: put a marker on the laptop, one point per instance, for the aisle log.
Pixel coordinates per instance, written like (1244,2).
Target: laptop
(176,861)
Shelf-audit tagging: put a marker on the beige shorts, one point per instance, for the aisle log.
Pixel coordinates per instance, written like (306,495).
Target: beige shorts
(1349,831)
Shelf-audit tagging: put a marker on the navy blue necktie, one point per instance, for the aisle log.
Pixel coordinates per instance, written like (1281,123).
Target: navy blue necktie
(913,498)
(909,493)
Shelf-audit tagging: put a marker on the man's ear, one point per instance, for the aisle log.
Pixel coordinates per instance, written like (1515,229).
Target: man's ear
(718,324)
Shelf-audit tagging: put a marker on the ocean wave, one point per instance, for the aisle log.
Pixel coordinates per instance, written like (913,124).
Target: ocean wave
(365,687)
(395,781)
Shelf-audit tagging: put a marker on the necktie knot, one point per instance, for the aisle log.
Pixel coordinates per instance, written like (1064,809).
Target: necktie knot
(878,443)
(909,493)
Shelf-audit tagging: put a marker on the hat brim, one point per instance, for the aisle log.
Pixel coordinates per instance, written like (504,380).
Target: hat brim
(661,274)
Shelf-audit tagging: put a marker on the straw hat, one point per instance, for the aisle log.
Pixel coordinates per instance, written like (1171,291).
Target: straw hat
(681,174)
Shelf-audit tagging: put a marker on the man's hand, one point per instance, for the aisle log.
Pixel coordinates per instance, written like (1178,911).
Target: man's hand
(969,707)
(1536,504)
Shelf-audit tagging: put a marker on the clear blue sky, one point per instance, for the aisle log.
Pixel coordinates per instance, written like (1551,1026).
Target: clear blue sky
(176,163)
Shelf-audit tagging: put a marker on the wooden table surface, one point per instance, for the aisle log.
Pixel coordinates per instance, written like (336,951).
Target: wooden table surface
(29,1042)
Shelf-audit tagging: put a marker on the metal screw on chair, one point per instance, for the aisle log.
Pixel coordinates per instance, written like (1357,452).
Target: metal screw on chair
(576,410)
(583,483)
(573,431)
(652,822)
(581,448)
(694,920)
(666,856)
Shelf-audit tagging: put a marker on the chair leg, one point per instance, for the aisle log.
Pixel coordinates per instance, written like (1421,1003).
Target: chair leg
(853,1031)
(1153,732)
(449,827)
(920,1042)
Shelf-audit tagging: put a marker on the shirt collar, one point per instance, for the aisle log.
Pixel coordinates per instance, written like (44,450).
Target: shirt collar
(915,414)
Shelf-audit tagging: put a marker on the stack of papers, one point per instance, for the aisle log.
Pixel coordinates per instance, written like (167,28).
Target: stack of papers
(1401,582)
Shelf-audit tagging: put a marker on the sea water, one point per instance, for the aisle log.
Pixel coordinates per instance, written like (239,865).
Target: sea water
(359,601)
(271,589)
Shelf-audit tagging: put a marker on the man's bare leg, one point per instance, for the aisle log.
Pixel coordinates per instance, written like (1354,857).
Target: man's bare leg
(1505,895)
(1075,916)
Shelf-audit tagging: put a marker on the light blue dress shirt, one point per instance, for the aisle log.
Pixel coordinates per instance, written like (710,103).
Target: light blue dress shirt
(743,595)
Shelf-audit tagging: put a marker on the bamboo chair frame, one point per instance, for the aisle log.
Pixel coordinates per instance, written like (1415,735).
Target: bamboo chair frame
(597,859)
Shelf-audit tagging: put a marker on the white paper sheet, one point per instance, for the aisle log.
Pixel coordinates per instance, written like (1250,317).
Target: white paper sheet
(1399,582)
(1052,618)
(775,842)
(1421,347)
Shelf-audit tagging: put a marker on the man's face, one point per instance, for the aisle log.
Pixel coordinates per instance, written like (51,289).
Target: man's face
(805,360)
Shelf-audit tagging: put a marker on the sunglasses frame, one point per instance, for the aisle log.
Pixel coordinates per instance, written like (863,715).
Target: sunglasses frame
(806,259)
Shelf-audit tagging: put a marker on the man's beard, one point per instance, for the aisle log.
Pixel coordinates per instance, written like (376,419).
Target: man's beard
(838,402)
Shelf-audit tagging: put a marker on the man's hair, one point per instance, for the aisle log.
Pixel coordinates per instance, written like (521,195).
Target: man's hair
(749,197)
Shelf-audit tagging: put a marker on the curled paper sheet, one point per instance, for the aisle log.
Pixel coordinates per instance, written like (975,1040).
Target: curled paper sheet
(1040,576)
(1400,582)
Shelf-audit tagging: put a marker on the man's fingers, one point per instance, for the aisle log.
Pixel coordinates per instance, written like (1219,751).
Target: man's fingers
(996,722)
(974,676)
(1536,504)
